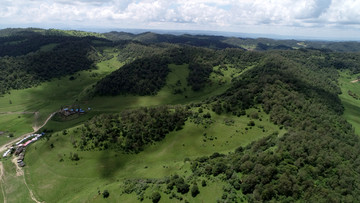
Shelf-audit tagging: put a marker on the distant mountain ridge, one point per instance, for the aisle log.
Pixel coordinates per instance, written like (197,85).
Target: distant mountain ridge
(202,40)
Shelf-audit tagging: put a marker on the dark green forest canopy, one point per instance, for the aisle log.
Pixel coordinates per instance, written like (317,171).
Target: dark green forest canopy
(29,66)
(131,130)
(306,163)
(143,77)
(146,75)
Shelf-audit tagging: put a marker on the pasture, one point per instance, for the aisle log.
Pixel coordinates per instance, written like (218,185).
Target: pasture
(351,104)
(51,168)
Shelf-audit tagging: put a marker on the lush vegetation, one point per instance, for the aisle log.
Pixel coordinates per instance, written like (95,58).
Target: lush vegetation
(143,77)
(305,101)
(147,74)
(67,56)
(266,125)
(132,129)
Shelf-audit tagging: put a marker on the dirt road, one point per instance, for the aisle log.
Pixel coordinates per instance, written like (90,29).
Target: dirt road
(19,171)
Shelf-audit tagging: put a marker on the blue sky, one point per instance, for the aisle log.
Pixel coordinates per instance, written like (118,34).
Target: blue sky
(328,19)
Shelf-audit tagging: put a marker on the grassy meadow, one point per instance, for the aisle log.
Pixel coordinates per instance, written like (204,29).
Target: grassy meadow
(100,170)
(351,104)
(54,177)
(47,98)
(13,186)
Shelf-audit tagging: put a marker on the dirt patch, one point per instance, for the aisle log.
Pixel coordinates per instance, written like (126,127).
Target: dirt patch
(35,125)
(354,81)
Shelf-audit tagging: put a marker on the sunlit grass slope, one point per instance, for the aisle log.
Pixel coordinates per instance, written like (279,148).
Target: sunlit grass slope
(47,98)
(71,181)
(351,104)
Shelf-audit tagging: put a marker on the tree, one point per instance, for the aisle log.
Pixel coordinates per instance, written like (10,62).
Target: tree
(194,190)
(183,188)
(106,194)
(251,123)
(156,197)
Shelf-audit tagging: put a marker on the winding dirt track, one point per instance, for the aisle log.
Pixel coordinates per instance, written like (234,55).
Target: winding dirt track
(19,171)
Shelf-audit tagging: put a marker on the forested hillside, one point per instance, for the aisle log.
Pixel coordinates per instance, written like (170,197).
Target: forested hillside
(302,98)
(28,58)
(298,89)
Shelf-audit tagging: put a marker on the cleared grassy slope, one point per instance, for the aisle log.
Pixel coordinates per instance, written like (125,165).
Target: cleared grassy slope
(47,98)
(69,181)
(351,105)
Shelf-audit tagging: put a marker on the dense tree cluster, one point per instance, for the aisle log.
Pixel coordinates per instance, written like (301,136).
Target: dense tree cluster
(317,160)
(147,74)
(26,42)
(28,70)
(144,76)
(215,42)
(308,161)
(199,75)
(130,51)
(131,130)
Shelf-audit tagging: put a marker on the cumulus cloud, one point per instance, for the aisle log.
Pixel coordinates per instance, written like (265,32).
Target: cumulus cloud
(210,14)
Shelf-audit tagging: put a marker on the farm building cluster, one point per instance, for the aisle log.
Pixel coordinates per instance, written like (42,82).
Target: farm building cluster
(68,111)
(20,146)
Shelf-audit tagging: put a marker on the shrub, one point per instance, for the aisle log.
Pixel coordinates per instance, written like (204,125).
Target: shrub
(251,123)
(182,188)
(203,183)
(194,190)
(106,194)
(156,197)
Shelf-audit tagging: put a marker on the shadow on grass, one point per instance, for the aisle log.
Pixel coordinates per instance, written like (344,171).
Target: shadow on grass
(352,113)
(110,163)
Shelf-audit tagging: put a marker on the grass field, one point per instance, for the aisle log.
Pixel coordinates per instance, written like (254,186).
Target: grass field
(110,104)
(50,96)
(47,98)
(70,181)
(14,187)
(351,105)
(16,124)
(164,96)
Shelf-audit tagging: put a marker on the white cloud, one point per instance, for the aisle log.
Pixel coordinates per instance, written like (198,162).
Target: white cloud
(205,14)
